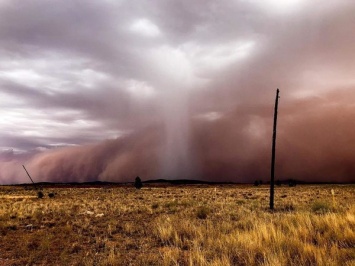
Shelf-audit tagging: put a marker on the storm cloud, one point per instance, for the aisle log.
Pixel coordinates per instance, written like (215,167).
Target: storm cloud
(110,90)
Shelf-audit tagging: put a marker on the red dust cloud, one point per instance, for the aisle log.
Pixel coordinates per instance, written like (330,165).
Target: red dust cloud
(315,143)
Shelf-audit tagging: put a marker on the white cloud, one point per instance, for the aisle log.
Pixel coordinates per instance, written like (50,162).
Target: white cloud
(172,68)
(281,6)
(140,89)
(145,27)
(216,57)
(53,73)
(90,78)
(23,76)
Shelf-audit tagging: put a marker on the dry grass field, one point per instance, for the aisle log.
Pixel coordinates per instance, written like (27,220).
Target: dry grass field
(178,225)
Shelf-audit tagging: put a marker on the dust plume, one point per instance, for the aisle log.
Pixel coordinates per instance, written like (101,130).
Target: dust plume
(314,143)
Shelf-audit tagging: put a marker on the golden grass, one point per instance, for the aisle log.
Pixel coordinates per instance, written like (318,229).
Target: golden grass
(178,225)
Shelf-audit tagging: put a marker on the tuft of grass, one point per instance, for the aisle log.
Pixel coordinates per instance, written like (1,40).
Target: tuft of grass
(288,207)
(321,207)
(155,205)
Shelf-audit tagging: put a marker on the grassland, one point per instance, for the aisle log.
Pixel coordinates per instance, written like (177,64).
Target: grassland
(178,225)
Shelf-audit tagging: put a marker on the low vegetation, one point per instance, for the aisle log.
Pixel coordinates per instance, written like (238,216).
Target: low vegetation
(178,225)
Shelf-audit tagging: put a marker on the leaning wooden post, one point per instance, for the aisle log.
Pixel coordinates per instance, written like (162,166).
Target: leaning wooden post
(272,185)
(29,176)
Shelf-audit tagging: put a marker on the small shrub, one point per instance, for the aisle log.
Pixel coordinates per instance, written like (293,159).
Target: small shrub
(292,183)
(12,227)
(258,182)
(138,183)
(51,195)
(202,212)
(40,194)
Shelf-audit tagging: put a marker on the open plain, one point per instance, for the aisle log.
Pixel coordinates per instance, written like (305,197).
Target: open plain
(178,225)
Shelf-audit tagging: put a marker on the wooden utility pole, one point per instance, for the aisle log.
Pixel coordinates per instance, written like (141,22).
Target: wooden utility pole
(272,183)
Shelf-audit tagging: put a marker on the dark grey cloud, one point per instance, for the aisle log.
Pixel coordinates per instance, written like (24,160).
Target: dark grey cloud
(188,84)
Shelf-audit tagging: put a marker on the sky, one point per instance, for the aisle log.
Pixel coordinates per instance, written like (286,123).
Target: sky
(108,90)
